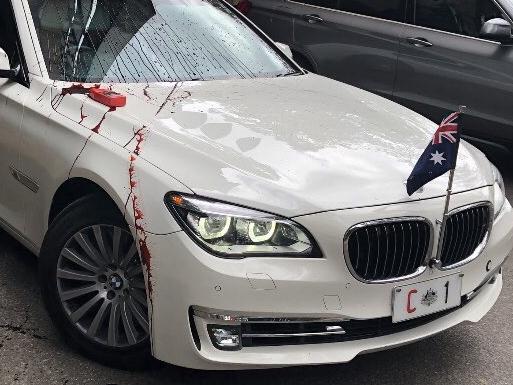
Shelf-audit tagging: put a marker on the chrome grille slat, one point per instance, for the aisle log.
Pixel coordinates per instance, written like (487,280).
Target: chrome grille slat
(466,232)
(358,250)
(472,225)
(288,335)
(368,251)
(467,235)
(383,274)
(421,251)
(376,263)
(409,234)
(398,273)
(396,248)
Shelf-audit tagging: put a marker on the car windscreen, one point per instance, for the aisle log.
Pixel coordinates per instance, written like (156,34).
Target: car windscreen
(136,41)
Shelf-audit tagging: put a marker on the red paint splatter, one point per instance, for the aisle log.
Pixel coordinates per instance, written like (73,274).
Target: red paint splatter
(77,89)
(96,128)
(82,115)
(138,214)
(139,138)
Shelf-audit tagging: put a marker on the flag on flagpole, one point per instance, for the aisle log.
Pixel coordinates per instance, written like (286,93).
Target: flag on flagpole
(439,156)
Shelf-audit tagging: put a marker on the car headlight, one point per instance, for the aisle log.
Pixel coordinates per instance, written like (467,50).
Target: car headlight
(499,191)
(232,231)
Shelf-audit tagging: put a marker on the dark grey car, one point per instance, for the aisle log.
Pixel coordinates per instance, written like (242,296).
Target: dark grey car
(429,55)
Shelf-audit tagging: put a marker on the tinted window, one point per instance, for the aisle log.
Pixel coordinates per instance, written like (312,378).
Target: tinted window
(149,41)
(7,34)
(384,9)
(332,4)
(465,17)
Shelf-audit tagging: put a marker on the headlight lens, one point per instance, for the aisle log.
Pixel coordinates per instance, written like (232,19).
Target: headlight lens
(236,232)
(499,191)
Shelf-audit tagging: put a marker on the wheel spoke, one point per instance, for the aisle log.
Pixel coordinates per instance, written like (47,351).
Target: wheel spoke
(141,298)
(82,310)
(128,325)
(98,236)
(88,247)
(75,275)
(128,256)
(138,284)
(74,293)
(113,324)
(93,328)
(116,240)
(138,315)
(135,271)
(77,259)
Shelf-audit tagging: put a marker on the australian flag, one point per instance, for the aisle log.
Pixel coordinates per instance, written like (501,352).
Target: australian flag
(440,155)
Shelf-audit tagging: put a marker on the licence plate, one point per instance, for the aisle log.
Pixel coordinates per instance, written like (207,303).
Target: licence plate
(423,298)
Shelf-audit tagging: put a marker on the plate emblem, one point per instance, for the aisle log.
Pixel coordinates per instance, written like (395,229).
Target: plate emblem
(429,298)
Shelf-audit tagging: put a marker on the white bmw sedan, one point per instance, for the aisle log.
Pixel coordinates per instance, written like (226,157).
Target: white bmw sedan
(192,194)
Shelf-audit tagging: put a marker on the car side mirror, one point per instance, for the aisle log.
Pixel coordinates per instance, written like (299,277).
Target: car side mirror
(285,49)
(6,71)
(497,29)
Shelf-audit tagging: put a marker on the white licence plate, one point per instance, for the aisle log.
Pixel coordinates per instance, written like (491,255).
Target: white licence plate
(423,298)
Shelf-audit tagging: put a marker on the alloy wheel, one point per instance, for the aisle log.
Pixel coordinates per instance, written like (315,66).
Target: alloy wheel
(101,286)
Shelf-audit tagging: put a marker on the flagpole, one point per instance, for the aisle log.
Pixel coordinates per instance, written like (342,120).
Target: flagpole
(437,261)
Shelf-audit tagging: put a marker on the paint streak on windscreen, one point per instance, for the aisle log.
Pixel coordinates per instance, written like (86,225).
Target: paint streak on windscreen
(143,41)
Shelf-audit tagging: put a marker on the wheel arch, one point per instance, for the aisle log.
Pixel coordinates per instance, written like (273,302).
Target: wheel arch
(75,188)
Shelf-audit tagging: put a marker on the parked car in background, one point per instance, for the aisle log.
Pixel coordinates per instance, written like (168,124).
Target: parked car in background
(429,55)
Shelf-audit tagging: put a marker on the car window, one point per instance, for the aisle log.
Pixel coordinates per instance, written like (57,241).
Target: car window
(133,41)
(331,4)
(464,17)
(384,9)
(7,31)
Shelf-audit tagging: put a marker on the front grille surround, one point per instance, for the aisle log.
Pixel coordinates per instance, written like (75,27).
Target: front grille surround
(484,210)
(421,261)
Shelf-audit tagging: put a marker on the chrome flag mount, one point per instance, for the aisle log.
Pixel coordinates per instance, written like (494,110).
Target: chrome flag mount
(439,157)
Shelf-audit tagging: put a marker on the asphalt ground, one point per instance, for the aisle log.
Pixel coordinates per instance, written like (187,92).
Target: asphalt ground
(32,352)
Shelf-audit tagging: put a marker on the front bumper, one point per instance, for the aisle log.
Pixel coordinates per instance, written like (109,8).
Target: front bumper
(184,276)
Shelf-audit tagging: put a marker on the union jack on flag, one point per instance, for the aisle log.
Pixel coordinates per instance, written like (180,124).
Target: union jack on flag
(447,129)
(439,156)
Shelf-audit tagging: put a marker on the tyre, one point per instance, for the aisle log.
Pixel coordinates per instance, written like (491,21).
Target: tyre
(93,284)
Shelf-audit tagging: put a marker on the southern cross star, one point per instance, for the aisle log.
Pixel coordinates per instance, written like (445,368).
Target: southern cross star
(437,157)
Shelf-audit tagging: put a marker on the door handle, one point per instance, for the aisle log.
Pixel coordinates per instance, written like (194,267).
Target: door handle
(419,42)
(312,19)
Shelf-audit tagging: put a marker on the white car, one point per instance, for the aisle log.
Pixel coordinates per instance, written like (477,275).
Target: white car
(193,195)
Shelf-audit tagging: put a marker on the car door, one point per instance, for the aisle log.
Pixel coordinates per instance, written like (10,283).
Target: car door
(443,63)
(352,41)
(272,17)
(13,194)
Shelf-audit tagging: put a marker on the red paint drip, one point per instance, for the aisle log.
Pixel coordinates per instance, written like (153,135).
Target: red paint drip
(139,138)
(96,129)
(138,214)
